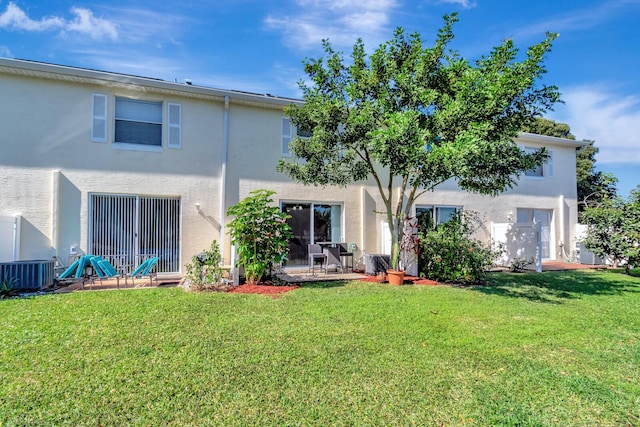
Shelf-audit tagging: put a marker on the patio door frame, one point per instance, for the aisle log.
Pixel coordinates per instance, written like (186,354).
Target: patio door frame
(127,207)
(311,225)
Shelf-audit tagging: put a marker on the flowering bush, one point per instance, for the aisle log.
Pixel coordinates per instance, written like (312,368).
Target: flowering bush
(260,233)
(204,270)
(449,254)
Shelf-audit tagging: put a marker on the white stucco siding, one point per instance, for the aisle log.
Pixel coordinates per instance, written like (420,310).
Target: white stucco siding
(47,126)
(28,192)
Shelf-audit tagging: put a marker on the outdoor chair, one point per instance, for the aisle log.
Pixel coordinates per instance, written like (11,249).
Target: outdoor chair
(345,253)
(76,271)
(316,254)
(103,270)
(145,269)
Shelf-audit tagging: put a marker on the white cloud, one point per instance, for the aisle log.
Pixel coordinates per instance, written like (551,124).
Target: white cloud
(612,121)
(84,22)
(341,21)
(580,19)
(15,18)
(466,4)
(137,25)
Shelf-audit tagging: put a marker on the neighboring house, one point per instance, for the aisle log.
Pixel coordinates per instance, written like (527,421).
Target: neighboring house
(126,166)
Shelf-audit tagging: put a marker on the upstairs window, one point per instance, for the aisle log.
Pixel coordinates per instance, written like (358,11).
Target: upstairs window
(138,122)
(544,170)
(289,132)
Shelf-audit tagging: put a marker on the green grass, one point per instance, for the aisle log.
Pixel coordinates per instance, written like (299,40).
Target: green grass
(557,348)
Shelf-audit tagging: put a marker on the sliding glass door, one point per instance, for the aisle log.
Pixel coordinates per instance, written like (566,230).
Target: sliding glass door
(311,223)
(128,229)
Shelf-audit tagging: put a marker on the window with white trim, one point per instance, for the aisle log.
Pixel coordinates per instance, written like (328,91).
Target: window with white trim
(138,122)
(545,170)
(430,216)
(289,131)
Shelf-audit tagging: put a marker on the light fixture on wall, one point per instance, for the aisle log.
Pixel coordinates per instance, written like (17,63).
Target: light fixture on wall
(295,208)
(198,206)
(510,216)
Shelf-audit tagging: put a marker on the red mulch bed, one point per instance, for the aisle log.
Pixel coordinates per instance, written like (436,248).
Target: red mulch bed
(274,291)
(408,280)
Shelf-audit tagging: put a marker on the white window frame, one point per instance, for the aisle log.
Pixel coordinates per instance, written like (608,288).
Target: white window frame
(289,131)
(99,101)
(136,146)
(435,210)
(547,165)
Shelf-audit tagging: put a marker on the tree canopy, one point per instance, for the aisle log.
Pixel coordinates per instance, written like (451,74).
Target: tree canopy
(614,228)
(593,186)
(425,114)
(542,126)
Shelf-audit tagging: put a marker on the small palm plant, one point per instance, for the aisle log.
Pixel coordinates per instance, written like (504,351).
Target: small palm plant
(8,285)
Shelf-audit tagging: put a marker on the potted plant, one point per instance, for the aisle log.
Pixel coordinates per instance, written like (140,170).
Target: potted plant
(407,251)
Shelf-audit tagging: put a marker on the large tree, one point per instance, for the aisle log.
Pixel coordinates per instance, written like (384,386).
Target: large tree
(613,229)
(593,186)
(542,126)
(410,117)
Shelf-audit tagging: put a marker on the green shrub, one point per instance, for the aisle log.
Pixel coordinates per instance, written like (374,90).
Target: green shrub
(7,285)
(449,254)
(260,233)
(205,270)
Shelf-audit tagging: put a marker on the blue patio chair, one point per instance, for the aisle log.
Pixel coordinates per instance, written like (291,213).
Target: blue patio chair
(144,270)
(70,271)
(83,262)
(76,271)
(103,270)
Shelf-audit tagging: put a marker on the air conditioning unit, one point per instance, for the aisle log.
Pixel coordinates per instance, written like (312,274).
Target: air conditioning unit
(376,263)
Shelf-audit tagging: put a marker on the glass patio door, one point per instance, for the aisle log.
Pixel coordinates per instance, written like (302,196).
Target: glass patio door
(128,229)
(539,216)
(311,223)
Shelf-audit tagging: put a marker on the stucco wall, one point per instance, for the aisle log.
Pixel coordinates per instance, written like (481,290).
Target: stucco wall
(49,167)
(51,155)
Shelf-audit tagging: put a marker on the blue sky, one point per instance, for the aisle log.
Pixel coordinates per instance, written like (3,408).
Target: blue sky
(258,46)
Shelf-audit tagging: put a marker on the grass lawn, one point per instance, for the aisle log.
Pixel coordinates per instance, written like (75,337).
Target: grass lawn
(558,348)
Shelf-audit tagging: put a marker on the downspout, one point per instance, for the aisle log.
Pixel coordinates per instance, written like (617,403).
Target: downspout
(561,214)
(223,177)
(55,214)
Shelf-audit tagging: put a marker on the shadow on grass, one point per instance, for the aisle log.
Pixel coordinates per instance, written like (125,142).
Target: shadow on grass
(324,284)
(557,287)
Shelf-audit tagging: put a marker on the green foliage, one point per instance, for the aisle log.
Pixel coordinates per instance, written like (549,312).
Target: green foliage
(204,269)
(518,265)
(614,229)
(423,113)
(7,286)
(542,126)
(260,233)
(449,254)
(593,186)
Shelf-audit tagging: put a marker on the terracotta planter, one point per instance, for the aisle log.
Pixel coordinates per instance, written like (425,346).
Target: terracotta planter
(395,277)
